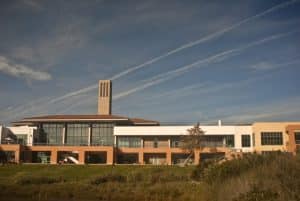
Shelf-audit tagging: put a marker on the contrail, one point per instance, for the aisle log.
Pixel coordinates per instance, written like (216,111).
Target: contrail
(204,39)
(188,45)
(212,59)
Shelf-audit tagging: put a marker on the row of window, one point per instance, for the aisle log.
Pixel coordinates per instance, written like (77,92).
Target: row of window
(76,134)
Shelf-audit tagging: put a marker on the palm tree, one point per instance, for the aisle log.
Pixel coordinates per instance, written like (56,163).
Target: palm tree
(192,141)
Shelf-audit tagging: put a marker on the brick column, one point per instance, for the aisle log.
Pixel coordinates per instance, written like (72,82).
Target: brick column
(196,157)
(110,156)
(81,157)
(141,158)
(53,157)
(17,156)
(169,157)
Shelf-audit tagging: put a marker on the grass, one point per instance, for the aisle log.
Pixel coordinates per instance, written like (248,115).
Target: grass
(274,177)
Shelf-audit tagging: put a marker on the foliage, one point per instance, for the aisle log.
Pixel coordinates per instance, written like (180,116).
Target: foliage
(192,140)
(257,194)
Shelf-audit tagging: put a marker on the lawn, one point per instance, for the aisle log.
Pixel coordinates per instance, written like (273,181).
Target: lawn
(274,177)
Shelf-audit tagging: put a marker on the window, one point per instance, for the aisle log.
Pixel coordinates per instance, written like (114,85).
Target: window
(175,142)
(77,134)
(129,141)
(246,142)
(297,137)
(22,139)
(155,143)
(217,141)
(271,138)
(51,134)
(102,134)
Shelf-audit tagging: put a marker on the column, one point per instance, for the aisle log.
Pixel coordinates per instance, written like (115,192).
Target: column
(110,156)
(89,135)
(141,158)
(169,157)
(196,157)
(63,134)
(81,157)
(17,156)
(53,157)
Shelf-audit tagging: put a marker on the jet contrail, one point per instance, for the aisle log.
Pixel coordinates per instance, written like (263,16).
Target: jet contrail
(188,45)
(204,39)
(212,59)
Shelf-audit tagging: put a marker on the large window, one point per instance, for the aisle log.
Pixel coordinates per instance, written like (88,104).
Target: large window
(246,142)
(217,140)
(271,138)
(297,137)
(129,141)
(51,134)
(102,134)
(77,134)
(22,139)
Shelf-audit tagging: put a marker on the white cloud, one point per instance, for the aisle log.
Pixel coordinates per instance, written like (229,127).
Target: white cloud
(264,65)
(22,71)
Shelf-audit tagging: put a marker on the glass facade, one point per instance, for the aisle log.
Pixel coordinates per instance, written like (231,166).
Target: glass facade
(77,134)
(51,134)
(129,141)
(217,140)
(102,134)
(271,138)
(246,142)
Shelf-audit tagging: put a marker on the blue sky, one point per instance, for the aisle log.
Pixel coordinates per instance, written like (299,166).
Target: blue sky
(172,61)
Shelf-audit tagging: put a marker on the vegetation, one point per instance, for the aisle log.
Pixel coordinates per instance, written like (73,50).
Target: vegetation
(272,177)
(192,141)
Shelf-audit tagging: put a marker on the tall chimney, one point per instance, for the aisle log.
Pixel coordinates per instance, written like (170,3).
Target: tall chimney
(104,97)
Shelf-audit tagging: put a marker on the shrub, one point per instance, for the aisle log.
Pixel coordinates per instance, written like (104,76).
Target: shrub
(213,172)
(25,180)
(108,178)
(258,194)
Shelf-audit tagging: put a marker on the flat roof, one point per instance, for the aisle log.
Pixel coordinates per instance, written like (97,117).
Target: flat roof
(84,118)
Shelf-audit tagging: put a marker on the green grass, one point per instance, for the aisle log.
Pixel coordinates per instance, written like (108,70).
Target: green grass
(273,177)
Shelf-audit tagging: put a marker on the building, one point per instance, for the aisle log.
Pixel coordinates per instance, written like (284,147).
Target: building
(105,138)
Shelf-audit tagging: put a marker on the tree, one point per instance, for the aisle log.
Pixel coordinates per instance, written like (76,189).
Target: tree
(192,141)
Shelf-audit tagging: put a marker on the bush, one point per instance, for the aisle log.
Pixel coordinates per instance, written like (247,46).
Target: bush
(213,172)
(257,194)
(25,180)
(108,178)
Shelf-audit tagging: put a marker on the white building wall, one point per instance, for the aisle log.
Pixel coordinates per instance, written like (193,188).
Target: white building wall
(237,131)
(170,130)
(23,130)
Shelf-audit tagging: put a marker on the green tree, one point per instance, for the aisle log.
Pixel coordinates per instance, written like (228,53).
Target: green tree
(192,141)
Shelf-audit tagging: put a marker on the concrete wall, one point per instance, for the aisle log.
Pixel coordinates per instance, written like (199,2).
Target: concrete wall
(259,127)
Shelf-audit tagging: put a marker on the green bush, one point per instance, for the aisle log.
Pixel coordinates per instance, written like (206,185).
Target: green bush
(26,180)
(258,194)
(108,178)
(213,172)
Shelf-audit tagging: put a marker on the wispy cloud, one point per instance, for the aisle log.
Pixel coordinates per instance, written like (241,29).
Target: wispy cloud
(277,110)
(212,59)
(264,65)
(174,51)
(22,71)
(204,39)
